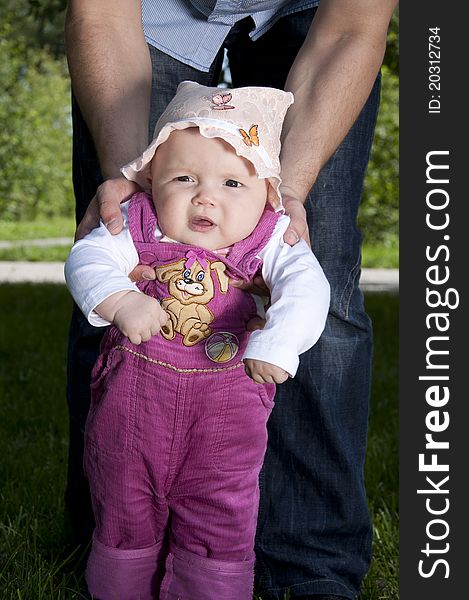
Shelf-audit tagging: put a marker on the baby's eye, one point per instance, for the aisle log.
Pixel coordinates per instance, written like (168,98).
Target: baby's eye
(184,178)
(233,183)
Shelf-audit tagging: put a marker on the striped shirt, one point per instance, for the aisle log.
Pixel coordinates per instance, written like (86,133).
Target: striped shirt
(193,31)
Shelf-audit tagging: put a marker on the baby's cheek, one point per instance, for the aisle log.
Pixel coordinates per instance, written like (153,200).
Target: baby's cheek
(247,222)
(169,224)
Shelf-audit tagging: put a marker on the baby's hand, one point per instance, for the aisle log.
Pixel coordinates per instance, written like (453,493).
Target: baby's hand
(138,316)
(264,372)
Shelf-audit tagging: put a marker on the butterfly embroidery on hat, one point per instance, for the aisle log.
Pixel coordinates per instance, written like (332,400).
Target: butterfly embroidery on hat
(221,102)
(251,138)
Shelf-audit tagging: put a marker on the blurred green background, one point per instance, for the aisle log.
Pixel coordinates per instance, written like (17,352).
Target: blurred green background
(35,133)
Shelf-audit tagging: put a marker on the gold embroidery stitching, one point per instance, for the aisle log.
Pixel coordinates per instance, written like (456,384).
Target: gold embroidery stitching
(172,367)
(190,287)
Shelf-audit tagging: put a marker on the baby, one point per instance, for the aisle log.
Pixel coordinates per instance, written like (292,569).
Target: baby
(181,392)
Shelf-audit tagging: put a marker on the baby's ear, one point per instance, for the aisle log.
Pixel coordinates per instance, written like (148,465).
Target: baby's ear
(272,197)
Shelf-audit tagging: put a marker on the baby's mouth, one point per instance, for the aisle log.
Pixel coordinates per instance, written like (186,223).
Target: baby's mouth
(201,224)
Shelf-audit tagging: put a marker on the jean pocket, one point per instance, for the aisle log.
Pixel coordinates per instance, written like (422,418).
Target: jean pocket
(110,426)
(241,436)
(101,368)
(266,394)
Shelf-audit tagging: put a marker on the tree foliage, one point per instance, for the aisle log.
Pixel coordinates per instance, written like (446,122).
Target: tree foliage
(391,57)
(41,22)
(35,130)
(379,212)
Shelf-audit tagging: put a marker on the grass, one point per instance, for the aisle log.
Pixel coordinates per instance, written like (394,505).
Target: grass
(35,253)
(33,443)
(40,228)
(34,561)
(382,467)
(384,256)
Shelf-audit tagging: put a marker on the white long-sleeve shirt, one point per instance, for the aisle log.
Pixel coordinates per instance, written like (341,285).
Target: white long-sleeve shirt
(99,264)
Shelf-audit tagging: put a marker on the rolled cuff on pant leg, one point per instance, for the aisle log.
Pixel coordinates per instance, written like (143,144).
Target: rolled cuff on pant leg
(117,574)
(194,577)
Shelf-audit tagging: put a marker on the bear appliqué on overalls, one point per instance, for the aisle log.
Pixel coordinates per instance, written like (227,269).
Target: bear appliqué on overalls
(191,288)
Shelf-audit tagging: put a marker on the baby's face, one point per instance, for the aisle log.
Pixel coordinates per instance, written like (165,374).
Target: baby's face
(204,194)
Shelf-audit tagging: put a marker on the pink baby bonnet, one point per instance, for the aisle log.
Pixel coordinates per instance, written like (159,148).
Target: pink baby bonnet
(250,119)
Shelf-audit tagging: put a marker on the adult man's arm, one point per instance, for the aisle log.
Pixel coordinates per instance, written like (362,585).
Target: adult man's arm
(331,80)
(110,69)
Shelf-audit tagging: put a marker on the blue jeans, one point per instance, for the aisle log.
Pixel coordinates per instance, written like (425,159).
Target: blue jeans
(314,531)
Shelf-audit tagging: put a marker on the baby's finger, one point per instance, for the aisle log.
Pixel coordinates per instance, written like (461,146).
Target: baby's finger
(256,286)
(164,317)
(255,323)
(146,335)
(155,328)
(135,338)
(142,273)
(281,377)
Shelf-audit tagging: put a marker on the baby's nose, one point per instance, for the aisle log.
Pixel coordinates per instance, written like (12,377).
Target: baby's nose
(204,197)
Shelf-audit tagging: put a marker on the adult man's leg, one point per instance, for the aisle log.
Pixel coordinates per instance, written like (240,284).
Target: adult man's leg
(314,531)
(84,340)
(83,345)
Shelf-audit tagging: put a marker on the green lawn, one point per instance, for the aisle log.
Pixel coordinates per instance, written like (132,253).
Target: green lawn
(33,446)
(384,256)
(40,228)
(36,253)
(382,467)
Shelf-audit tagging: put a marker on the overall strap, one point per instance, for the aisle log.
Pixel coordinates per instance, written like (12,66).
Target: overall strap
(142,218)
(243,255)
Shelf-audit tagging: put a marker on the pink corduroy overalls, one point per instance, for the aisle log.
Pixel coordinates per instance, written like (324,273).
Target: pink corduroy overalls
(176,433)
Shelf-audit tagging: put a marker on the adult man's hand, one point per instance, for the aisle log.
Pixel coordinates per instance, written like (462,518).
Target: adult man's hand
(106,205)
(298,228)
